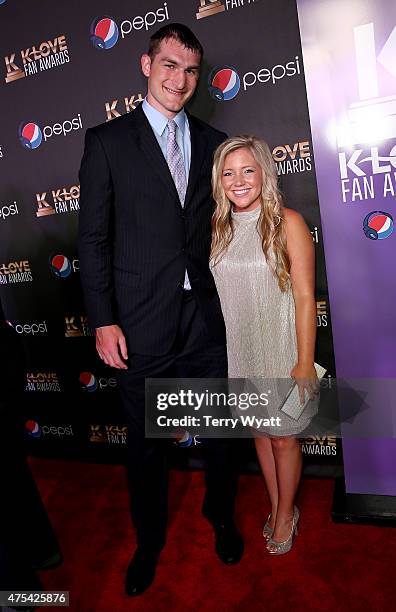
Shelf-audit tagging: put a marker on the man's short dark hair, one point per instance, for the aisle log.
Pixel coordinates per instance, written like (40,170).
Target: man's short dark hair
(179,32)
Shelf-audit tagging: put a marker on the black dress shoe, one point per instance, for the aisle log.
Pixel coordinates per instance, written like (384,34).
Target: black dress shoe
(229,544)
(141,572)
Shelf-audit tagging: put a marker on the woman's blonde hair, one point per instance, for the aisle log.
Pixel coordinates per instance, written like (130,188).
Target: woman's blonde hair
(271,223)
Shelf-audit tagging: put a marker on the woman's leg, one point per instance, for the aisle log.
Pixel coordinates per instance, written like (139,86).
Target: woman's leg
(288,464)
(267,463)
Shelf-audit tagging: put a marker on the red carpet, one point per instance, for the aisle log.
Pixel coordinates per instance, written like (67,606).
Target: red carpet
(331,567)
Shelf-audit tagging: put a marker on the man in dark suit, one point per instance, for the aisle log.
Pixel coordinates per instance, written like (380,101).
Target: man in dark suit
(27,540)
(144,243)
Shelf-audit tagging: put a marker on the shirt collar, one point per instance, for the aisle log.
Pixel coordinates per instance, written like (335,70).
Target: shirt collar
(158,121)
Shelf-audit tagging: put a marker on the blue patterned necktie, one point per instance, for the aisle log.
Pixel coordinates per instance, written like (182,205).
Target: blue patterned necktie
(175,161)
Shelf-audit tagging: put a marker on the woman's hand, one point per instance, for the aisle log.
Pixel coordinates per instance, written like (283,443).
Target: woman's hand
(306,380)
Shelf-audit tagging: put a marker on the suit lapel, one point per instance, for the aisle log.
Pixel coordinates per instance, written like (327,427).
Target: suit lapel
(198,150)
(149,146)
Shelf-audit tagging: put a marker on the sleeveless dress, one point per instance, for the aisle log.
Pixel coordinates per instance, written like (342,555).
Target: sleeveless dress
(259,319)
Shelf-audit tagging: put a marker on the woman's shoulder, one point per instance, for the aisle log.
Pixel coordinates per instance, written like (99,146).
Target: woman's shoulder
(297,230)
(294,221)
(292,216)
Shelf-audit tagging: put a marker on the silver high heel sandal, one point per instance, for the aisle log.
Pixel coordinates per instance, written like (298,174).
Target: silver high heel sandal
(281,548)
(267,530)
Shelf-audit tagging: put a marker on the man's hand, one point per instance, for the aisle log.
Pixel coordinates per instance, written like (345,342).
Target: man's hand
(111,346)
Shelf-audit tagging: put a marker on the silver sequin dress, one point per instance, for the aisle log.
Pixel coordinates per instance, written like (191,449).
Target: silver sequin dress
(259,318)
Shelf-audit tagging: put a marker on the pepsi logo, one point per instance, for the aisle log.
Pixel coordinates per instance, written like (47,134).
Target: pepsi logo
(60,266)
(378,225)
(224,83)
(33,429)
(30,135)
(104,33)
(88,382)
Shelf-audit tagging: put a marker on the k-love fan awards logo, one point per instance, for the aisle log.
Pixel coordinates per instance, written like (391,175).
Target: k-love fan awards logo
(322,313)
(38,58)
(292,158)
(91,383)
(369,172)
(316,445)
(15,272)
(108,434)
(129,104)
(105,31)
(42,381)
(212,7)
(61,266)
(209,7)
(76,326)
(224,82)
(31,134)
(58,201)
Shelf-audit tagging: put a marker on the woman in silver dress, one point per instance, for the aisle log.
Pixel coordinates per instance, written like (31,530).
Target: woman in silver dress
(262,261)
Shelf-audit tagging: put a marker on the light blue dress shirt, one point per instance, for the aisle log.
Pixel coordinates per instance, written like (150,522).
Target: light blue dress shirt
(159,125)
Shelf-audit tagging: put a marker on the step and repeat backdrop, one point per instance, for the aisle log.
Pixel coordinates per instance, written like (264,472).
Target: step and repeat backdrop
(350,72)
(70,66)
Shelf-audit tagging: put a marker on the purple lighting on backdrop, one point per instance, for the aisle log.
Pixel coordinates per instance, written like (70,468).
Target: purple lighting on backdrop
(349,50)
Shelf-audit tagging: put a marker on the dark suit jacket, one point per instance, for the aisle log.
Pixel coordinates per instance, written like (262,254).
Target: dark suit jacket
(26,535)
(136,240)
